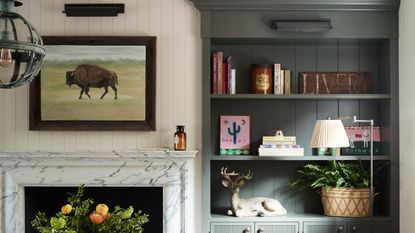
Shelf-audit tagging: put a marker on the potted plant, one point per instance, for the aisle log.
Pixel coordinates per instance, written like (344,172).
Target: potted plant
(344,187)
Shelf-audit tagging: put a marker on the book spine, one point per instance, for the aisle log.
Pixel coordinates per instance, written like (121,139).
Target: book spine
(233,81)
(220,70)
(224,78)
(282,82)
(228,74)
(277,73)
(287,82)
(215,73)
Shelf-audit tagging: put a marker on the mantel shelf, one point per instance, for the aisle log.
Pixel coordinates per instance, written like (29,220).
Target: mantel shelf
(297,96)
(301,158)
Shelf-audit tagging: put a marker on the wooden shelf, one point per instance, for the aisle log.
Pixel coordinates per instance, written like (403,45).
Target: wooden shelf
(300,158)
(292,217)
(297,96)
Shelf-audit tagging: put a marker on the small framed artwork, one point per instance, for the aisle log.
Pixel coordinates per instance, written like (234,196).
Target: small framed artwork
(95,83)
(234,135)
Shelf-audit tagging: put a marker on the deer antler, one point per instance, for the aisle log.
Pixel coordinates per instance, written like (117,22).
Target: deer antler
(244,177)
(226,175)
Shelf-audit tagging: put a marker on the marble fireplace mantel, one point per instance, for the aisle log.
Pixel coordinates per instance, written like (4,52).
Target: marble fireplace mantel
(167,169)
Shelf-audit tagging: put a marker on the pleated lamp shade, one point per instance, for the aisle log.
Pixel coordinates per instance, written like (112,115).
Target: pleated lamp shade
(329,134)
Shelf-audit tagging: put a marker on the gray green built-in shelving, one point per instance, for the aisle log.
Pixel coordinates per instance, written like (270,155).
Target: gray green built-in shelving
(364,38)
(297,158)
(299,97)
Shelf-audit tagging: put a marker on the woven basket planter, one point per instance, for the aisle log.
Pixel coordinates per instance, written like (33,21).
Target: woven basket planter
(346,202)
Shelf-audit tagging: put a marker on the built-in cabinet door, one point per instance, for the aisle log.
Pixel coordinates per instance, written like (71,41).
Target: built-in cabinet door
(381,227)
(280,227)
(324,227)
(232,228)
(358,227)
(364,227)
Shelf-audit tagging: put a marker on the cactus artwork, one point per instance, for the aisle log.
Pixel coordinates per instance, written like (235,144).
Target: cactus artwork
(236,129)
(234,135)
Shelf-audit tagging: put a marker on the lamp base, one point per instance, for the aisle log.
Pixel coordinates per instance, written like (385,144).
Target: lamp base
(328,151)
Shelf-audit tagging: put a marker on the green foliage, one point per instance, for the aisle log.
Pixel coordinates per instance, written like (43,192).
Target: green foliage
(334,174)
(78,221)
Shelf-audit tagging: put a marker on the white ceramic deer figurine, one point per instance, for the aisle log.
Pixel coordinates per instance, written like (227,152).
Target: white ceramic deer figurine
(257,206)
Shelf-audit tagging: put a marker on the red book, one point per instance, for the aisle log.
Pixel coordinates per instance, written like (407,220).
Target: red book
(228,74)
(220,72)
(215,73)
(224,78)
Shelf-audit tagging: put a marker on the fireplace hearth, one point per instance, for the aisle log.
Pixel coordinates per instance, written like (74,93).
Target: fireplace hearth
(168,171)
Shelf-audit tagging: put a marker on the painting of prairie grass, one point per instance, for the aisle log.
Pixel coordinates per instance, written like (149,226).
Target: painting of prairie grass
(60,101)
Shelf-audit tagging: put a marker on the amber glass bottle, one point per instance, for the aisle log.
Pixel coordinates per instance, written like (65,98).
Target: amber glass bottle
(180,138)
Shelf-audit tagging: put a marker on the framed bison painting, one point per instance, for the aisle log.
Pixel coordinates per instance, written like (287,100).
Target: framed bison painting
(95,83)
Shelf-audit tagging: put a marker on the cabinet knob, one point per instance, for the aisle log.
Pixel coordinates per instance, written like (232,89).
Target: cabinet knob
(261,229)
(354,229)
(247,230)
(339,229)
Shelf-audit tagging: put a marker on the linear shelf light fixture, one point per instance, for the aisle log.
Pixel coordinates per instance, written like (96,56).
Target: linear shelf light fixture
(93,10)
(301,25)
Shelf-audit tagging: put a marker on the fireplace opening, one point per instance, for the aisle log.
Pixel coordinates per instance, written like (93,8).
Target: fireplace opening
(51,199)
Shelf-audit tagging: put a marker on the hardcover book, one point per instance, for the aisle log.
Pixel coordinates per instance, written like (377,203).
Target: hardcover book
(277,79)
(234,135)
(215,73)
(220,70)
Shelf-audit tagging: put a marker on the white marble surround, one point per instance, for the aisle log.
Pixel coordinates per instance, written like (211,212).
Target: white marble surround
(167,169)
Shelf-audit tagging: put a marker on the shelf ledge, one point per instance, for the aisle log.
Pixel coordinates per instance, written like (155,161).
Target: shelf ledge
(297,96)
(302,158)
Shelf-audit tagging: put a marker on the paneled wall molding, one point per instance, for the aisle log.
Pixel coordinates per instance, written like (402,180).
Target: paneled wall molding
(367,5)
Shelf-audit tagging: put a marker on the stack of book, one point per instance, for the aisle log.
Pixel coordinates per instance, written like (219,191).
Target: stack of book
(223,75)
(280,146)
(282,80)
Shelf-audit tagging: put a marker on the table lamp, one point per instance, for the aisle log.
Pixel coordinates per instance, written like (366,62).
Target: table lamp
(329,134)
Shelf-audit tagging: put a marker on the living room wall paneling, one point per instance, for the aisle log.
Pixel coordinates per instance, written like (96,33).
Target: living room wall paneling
(21,94)
(155,28)
(174,22)
(406,115)
(143,21)
(193,67)
(166,69)
(193,86)
(179,48)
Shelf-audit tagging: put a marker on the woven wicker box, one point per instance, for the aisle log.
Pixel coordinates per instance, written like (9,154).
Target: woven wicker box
(346,202)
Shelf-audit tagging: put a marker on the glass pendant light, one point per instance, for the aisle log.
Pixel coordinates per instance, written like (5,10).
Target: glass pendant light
(21,47)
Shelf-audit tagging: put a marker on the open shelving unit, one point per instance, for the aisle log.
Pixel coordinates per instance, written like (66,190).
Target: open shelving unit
(359,41)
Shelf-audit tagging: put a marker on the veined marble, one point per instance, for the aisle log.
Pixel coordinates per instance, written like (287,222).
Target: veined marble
(167,169)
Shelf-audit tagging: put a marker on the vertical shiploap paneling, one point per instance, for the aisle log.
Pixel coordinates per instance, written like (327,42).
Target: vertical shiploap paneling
(242,60)
(155,29)
(173,22)
(21,124)
(167,67)
(193,67)
(179,63)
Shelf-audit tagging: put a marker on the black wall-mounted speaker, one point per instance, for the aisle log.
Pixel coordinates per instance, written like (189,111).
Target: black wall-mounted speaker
(93,10)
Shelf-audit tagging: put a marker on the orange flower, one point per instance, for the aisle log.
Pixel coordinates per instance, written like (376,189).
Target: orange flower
(98,218)
(66,209)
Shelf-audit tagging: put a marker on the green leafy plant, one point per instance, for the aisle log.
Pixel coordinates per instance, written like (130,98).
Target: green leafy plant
(333,174)
(76,217)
